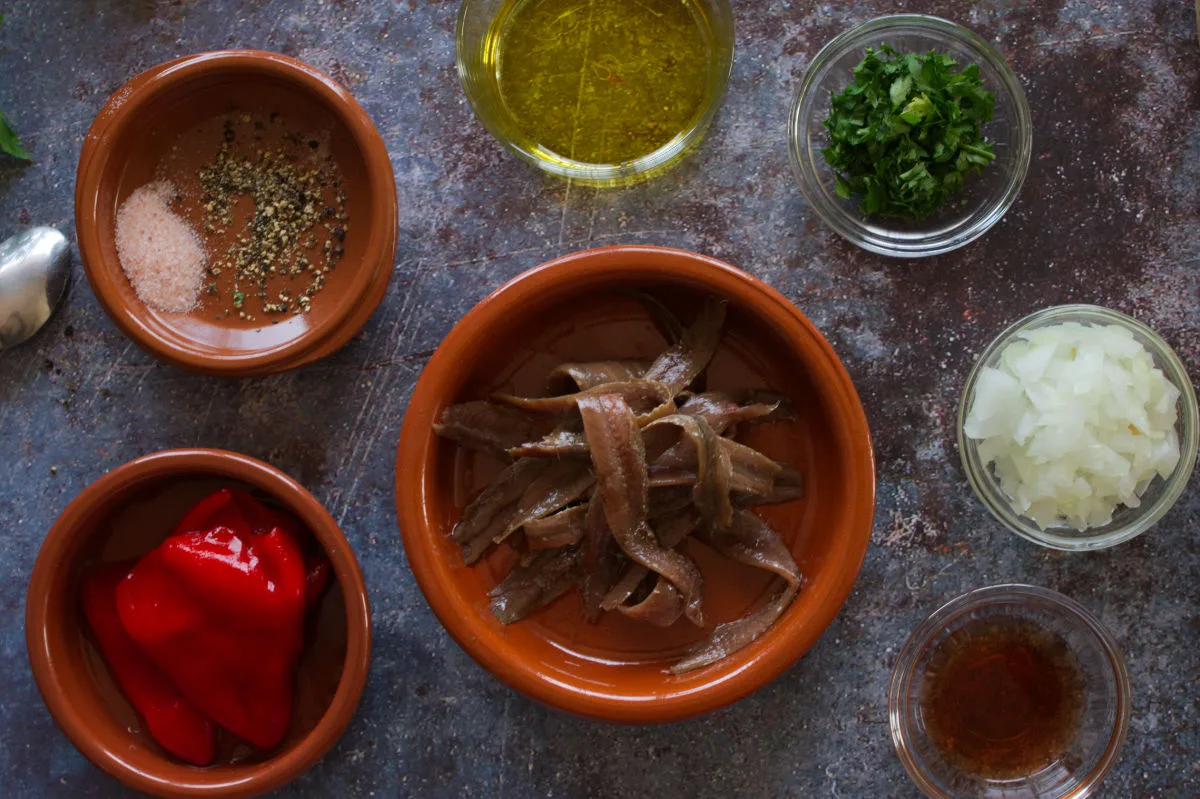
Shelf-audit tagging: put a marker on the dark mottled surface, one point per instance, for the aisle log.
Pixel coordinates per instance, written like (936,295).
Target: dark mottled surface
(1108,215)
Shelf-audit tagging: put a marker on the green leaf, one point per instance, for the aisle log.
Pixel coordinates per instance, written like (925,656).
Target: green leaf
(917,109)
(842,189)
(875,198)
(979,154)
(9,142)
(899,91)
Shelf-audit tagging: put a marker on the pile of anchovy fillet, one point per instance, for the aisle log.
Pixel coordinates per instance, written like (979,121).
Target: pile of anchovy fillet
(607,478)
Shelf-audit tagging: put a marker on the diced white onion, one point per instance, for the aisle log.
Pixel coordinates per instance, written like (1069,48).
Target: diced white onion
(1075,421)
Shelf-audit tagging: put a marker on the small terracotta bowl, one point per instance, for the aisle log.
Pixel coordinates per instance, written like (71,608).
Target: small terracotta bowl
(130,144)
(579,308)
(123,515)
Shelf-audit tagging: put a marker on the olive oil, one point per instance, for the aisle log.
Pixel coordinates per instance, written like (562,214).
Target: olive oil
(1002,700)
(601,81)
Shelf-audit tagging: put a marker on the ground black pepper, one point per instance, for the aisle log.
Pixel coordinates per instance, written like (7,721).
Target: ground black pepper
(298,201)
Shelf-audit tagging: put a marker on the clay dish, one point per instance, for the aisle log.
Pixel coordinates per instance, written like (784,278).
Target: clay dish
(579,308)
(121,516)
(174,105)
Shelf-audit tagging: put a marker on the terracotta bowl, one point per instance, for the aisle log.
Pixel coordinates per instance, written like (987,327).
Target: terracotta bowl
(578,307)
(121,516)
(173,105)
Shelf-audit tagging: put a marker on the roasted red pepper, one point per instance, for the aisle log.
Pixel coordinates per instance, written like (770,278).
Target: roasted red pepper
(172,720)
(316,578)
(220,610)
(238,510)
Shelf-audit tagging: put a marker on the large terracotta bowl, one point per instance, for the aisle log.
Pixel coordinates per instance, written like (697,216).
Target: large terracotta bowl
(121,516)
(130,144)
(578,307)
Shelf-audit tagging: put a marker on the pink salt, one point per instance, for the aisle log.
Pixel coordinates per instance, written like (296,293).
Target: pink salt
(161,255)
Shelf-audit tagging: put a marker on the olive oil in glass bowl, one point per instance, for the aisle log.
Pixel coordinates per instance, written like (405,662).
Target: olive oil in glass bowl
(607,92)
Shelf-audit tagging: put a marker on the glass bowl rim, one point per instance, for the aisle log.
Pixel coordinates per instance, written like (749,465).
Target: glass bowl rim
(608,174)
(1023,595)
(987,490)
(845,223)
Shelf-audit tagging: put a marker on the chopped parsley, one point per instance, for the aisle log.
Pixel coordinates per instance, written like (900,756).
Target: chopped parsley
(906,131)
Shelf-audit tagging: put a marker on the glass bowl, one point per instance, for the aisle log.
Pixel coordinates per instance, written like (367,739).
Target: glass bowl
(984,198)
(1104,712)
(1159,496)
(478,69)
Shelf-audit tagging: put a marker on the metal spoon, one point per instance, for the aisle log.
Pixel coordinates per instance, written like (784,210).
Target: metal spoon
(34,267)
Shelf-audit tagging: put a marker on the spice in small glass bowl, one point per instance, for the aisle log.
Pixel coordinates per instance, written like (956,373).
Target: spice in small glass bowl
(1009,691)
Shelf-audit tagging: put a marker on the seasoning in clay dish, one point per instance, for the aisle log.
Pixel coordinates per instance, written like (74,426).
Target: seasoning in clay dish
(159,252)
(254,230)
(298,224)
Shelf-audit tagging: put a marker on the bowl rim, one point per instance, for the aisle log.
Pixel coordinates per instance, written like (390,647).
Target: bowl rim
(177,779)
(984,485)
(362,296)
(750,669)
(1004,593)
(639,169)
(834,214)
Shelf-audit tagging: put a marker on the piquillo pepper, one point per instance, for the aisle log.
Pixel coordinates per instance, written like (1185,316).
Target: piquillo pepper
(238,510)
(219,607)
(241,512)
(316,578)
(172,720)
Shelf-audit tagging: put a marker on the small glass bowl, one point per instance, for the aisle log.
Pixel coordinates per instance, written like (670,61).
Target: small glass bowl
(1159,496)
(1102,725)
(478,69)
(984,198)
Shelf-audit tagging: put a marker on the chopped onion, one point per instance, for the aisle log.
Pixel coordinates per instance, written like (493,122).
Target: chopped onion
(1075,421)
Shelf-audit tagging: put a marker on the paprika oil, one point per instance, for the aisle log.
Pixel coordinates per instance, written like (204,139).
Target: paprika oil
(1002,699)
